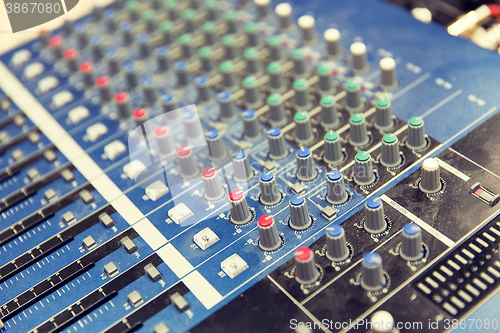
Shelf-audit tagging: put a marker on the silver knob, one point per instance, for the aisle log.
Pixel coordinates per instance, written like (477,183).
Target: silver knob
(227,108)
(353,97)
(333,46)
(303,128)
(166,146)
(250,124)
(276,110)
(192,126)
(328,112)
(301,94)
(216,146)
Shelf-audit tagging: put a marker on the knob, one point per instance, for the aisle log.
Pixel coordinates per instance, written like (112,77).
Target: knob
(306,171)
(172,114)
(306,24)
(336,193)
(269,193)
(164,141)
(133,10)
(113,60)
(148,16)
(269,240)
(299,215)
(363,168)
(373,277)
(97,48)
(333,148)
(328,112)
(277,146)
(141,116)
(305,266)
(183,76)
(188,17)
(71,57)
(212,10)
(416,133)
(303,128)
(56,44)
(277,115)
(301,94)
(388,78)
(275,77)
(208,29)
(161,58)
(126,29)
(188,167)
(122,101)
(250,124)
(430,181)
(358,133)
(336,245)
(375,222)
(390,151)
(359,61)
(353,97)
(144,49)
(87,71)
(131,75)
(104,87)
(230,50)
(227,108)
(274,46)
(207,61)
(382,322)
(284,13)
(149,88)
(192,126)
(216,147)
(252,61)
(228,76)
(263,8)
(166,29)
(325,81)
(252,96)
(240,214)
(333,46)
(110,20)
(203,88)
(299,63)
(211,184)
(231,22)
(242,172)
(411,244)
(252,34)
(383,114)
(81,35)
(171,7)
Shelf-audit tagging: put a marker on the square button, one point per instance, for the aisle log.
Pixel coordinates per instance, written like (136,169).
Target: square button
(329,212)
(205,238)
(233,266)
(298,188)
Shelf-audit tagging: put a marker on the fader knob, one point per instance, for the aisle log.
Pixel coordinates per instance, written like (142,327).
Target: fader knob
(306,171)
(416,133)
(303,128)
(375,222)
(269,192)
(333,148)
(299,214)
(363,169)
(277,115)
(227,108)
(336,245)
(307,26)
(164,141)
(242,172)
(388,78)
(333,46)
(188,167)
(353,97)
(373,277)
(411,244)
(250,124)
(358,132)
(383,114)
(277,146)
(269,239)
(336,193)
(216,147)
(430,181)
(211,184)
(284,13)
(390,150)
(305,266)
(240,214)
(359,61)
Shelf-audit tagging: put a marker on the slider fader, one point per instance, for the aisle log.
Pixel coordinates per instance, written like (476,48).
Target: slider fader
(249,166)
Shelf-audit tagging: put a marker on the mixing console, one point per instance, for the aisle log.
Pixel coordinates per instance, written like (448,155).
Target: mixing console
(222,166)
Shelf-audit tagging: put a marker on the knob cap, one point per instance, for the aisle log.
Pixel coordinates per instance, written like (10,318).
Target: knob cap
(305,266)
(390,150)
(325,80)
(122,101)
(301,94)
(240,214)
(358,132)
(269,240)
(336,193)
(250,124)
(307,26)
(359,61)
(336,246)
(430,181)
(299,215)
(416,133)
(276,110)
(269,193)
(353,97)
(277,146)
(388,78)
(284,13)
(363,169)
(216,146)
(227,108)
(333,148)
(333,46)
(383,114)
(303,128)
(211,184)
(375,222)
(328,112)
(306,171)
(164,141)
(241,167)
(189,168)
(373,277)
(192,126)
(411,245)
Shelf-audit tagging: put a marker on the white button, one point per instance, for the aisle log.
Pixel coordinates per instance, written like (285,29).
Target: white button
(20,57)
(233,266)
(180,213)
(95,131)
(33,70)
(205,238)
(48,83)
(114,149)
(156,190)
(62,98)
(133,169)
(78,114)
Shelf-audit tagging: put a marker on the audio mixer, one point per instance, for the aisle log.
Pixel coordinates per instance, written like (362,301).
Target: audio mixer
(249,166)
